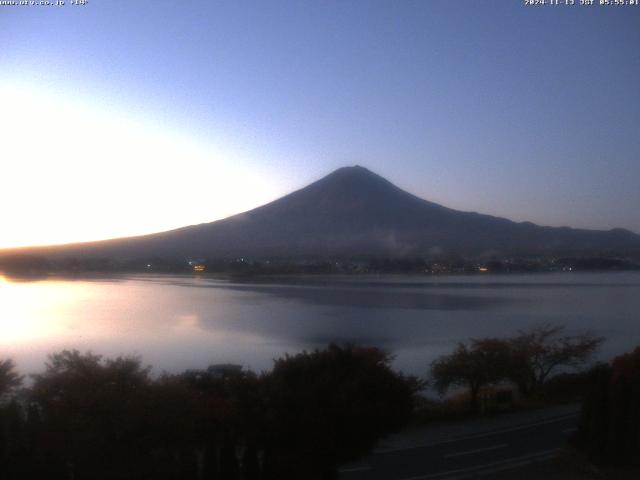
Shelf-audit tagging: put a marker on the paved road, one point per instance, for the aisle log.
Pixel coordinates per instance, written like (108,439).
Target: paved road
(474,455)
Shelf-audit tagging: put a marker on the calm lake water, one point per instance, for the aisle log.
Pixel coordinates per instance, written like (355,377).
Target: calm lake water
(179,322)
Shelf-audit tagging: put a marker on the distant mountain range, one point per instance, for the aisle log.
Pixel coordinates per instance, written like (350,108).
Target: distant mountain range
(353,212)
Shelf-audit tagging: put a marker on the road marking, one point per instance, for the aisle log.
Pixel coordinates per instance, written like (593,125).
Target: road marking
(488,467)
(478,435)
(355,469)
(477,450)
(570,430)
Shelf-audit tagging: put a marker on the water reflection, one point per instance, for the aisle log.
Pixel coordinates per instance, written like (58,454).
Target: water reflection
(376,297)
(179,321)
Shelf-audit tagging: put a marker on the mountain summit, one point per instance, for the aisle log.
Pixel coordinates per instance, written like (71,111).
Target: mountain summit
(355,212)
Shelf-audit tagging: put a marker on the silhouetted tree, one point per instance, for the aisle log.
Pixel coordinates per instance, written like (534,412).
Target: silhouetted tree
(231,417)
(328,407)
(542,349)
(610,423)
(13,447)
(9,378)
(527,360)
(87,417)
(482,362)
(94,415)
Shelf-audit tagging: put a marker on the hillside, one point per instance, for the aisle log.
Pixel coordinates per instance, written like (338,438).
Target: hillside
(354,212)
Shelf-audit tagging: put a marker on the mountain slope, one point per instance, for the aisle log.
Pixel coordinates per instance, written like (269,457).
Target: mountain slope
(353,211)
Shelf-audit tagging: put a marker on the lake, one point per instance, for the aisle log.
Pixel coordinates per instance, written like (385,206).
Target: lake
(179,322)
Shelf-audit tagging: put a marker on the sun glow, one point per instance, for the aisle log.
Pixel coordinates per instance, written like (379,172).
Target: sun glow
(31,310)
(75,171)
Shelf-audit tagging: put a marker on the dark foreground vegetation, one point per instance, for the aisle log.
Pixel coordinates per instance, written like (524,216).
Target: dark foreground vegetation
(543,366)
(528,361)
(86,417)
(610,425)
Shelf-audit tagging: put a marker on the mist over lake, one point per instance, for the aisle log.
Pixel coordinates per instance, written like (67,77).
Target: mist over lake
(179,322)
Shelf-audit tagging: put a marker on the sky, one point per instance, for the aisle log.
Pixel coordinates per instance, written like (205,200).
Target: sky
(120,118)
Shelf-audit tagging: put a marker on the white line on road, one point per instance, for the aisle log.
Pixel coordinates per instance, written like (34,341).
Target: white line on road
(355,469)
(477,435)
(488,467)
(477,450)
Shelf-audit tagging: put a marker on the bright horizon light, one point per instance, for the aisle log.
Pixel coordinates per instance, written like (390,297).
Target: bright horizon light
(77,171)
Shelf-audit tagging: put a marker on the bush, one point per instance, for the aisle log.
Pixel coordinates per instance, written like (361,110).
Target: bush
(610,424)
(86,417)
(328,407)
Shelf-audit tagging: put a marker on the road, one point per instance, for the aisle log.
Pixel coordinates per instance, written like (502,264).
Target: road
(477,454)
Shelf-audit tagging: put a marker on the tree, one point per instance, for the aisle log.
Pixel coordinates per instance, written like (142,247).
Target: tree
(610,423)
(328,407)
(231,418)
(94,415)
(536,353)
(12,444)
(483,362)
(9,378)
(527,359)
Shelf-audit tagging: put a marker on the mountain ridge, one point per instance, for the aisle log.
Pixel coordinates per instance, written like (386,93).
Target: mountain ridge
(355,212)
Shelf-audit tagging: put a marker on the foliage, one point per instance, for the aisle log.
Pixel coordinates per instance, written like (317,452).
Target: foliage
(87,417)
(473,366)
(528,360)
(330,406)
(610,424)
(543,349)
(94,414)
(9,378)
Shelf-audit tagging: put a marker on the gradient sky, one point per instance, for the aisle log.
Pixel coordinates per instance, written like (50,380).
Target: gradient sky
(126,117)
